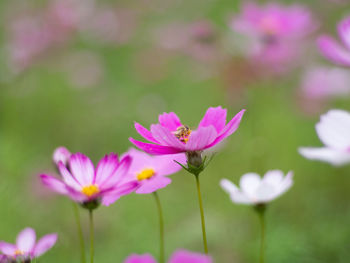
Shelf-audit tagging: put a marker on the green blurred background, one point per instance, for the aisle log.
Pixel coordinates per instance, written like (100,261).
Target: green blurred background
(40,110)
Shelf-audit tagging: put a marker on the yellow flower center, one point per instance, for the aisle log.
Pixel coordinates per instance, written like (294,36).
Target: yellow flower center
(19,252)
(183,133)
(146,174)
(90,190)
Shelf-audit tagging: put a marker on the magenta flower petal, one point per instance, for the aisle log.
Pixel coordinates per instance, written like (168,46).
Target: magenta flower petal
(146,258)
(344,31)
(82,168)
(333,51)
(68,178)
(183,256)
(165,137)
(54,184)
(169,121)
(118,192)
(200,138)
(26,240)
(61,154)
(118,174)
(106,168)
(214,117)
(230,128)
(145,133)
(154,149)
(8,249)
(44,244)
(153,184)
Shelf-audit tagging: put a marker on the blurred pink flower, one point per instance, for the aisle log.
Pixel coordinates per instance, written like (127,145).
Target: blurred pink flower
(196,39)
(26,247)
(170,136)
(331,48)
(180,256)
(274,32)
(323,83)
(334,132)
(152,171)
(256,190)
(61,154)
(82,183)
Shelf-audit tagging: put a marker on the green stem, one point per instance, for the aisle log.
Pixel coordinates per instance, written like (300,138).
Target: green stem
(80,233)
(161,228)
(262,240)
(202,214)
(91,236)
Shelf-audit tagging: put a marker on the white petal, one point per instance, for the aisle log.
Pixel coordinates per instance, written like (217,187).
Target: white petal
(249,183)
(286,183)
(273,177)
(334,129)
(332,156)
(240,198)
(265,193)
(228,186)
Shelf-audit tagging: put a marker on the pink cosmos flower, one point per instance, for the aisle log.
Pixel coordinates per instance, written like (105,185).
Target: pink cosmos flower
(180,256)
(26,246)
(256,190)
(274,32)
(331,48)
(85,184)
(323,82)
(334,131)
(170,136)
(152,171)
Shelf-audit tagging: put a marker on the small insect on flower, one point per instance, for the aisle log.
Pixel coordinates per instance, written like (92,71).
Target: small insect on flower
(183,133)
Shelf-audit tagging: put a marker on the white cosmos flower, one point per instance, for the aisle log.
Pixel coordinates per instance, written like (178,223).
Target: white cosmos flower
(334,131)
(257,190)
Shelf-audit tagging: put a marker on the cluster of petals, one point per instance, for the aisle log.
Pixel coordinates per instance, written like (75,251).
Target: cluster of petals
(271,29)
(332,49)
(26,247)
(180,256)
(83,183)
(152,171)
(211,130)
(333,130)
(255,190)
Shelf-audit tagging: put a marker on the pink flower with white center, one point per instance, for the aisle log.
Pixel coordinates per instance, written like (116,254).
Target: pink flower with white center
(26,246)
(87,185)
(180,256)
(170,136)
(151,171)
(334,132)
(323,82)
(331,48)
(274,32)
(255,190)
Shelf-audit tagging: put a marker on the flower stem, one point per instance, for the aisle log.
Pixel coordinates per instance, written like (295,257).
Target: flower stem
(202,214)
(91,236)
(80,233)
(161,228)
(261,212)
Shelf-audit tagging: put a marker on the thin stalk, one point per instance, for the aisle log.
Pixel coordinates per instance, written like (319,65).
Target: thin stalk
(91,236)
(202,214)
(262,240)
(161,228)
(80,233)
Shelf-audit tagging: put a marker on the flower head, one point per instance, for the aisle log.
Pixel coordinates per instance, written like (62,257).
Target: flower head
(334,131)
(151,171)
(274,31)
(256,190)
(331,48)
(26,246)
(87,185)
(180,256)
(170,136)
